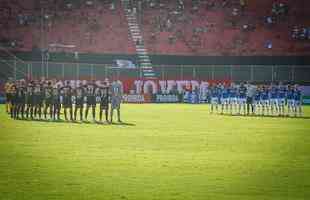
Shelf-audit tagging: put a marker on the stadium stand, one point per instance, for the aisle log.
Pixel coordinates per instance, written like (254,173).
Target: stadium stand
(183,27)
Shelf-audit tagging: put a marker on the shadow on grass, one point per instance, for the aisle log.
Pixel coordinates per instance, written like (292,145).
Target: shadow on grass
(265,116)
(122,124)
(76,122)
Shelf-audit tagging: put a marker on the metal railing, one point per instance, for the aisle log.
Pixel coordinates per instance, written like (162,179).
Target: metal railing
(256,73)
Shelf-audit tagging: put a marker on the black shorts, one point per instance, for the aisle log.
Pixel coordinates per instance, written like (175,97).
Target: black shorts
(14,100)
(8,97)
(30,100)
(21,100)
(48,102)
(91,101)
(56,104)
(79,102)
(67,102)
(38,100)
(249,100)
(104,105)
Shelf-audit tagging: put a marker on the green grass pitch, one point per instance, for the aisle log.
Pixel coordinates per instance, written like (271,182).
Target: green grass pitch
(166,151)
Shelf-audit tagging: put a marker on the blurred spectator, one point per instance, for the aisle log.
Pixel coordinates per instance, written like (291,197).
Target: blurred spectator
(169,25)
(248,27)
(76,55)
(269,21)
(235,12)
(268,44)
(295,32)
(171,39)
(302,33)
(153,37)
(279,9)
(242,6)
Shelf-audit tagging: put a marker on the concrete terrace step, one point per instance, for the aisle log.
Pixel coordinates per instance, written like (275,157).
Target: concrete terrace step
(135,34)
(146,68)
(146,60)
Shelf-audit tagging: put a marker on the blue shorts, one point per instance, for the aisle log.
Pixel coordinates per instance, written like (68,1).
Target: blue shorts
(115,102)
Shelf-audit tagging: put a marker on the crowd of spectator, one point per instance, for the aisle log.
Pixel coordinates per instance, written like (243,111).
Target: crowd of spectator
(301,33)
(179,23)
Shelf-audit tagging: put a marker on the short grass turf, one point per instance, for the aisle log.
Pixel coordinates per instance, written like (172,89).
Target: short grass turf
(165,151)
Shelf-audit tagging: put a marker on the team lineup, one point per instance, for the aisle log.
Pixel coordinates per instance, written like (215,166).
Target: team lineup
(38,99)
(273,100)
(45,99)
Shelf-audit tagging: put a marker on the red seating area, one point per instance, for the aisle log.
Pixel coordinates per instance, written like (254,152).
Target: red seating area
(209,30)
(89,29)
(222,38)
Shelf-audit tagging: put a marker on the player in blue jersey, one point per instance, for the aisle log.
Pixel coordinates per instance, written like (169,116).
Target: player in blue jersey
(297,101)
(214,93)
(225,94)
(265,100)
(242,99)
(281,98)
(257,101)
(290,100)
(273,99)
(233,100)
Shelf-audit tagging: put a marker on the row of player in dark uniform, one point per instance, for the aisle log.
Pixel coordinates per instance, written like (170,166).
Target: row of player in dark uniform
(36,98)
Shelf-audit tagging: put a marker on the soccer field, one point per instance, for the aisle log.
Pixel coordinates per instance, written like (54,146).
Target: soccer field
(164,151)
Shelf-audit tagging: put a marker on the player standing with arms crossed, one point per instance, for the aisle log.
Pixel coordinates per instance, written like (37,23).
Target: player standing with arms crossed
(242,99)
(282,90)
(67,100)
(225,99)
(48,96)
(91,99)
(116,99)
(30,100)
(38,99)
(214,93)
(297,101)
(56,104)
(79,93)
(233,100)
(265,100)
(250,92)
(104,100)
(290,100)
(21,99)
(273,99)
(8,92)
(257,101)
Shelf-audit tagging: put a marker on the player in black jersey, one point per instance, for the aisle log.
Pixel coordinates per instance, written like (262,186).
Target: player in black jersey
(48,97)
(21,99)
(30,100)
(79,94)
(14,101)
(56,103)
(104,101)
(91,99)
(67,99)
(38,99)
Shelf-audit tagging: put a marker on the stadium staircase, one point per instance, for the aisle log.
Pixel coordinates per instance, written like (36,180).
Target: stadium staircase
(147,70)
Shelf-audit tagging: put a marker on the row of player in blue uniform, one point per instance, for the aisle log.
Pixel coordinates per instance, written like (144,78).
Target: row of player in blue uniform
(276,100)
(36,99)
